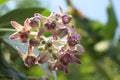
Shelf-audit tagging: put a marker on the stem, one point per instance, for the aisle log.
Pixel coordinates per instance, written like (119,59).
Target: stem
(2,59)
(7,29)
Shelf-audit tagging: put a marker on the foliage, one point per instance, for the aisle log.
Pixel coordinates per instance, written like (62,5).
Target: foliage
(3,1)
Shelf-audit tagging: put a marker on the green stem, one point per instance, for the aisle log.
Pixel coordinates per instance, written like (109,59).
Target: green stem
(7,29)
(2,59)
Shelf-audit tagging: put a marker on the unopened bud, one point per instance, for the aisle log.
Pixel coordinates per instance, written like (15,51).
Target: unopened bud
(62,32)
(34,42)
(72,41)
(66,19)
(43,57)
(30,61)
(24,36)
(35,23)
(50,26)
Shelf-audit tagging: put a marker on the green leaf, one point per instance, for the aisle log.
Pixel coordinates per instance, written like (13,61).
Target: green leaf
(3,1)
(109,29)
(46,12)
(47,34)
(46,69)
(10,73)
(6,71)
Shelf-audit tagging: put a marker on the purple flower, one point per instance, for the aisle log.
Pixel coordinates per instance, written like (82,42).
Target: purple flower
(43,57)
(50,25)
(22,31)
(73,40)
(30,61)
(66,19)
(29,58)
(61,32)
(67,58)
(35,22)
(34,42)
(40,17)
(63,62)
(60,66)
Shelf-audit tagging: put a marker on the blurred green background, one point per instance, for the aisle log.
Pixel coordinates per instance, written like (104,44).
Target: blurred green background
(101,60)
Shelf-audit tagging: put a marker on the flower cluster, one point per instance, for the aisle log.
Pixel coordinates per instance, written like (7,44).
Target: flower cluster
(58,50)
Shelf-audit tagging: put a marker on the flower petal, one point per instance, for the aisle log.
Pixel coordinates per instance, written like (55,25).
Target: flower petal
(61,10)
(61,32)
(73,52)
(42,18)
(55,37)
(80,49)
(14,36)
(34,42)
(34,23)
(66,19)
(40,33)
(30,61)
(24,36)
(26,25)
(43,57)
(16,25)
(76,60)
(66,69)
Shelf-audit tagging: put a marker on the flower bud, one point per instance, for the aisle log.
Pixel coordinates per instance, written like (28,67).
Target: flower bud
(50,26)
(61,32)
(24,36)
(60,66)
(34,42)
(48,44)
(35,23)
(43,57)
(30,61)
(72,41)
(66,19)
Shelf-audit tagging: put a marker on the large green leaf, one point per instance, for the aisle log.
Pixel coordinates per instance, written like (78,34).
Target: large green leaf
(18,15)
(3,1)
(109,29)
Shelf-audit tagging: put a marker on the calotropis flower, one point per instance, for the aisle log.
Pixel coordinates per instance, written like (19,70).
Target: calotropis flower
(29,58)
(49,24)
(58,50)
(22,31)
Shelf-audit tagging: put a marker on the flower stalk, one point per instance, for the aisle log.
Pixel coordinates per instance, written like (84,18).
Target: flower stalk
(7,29)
